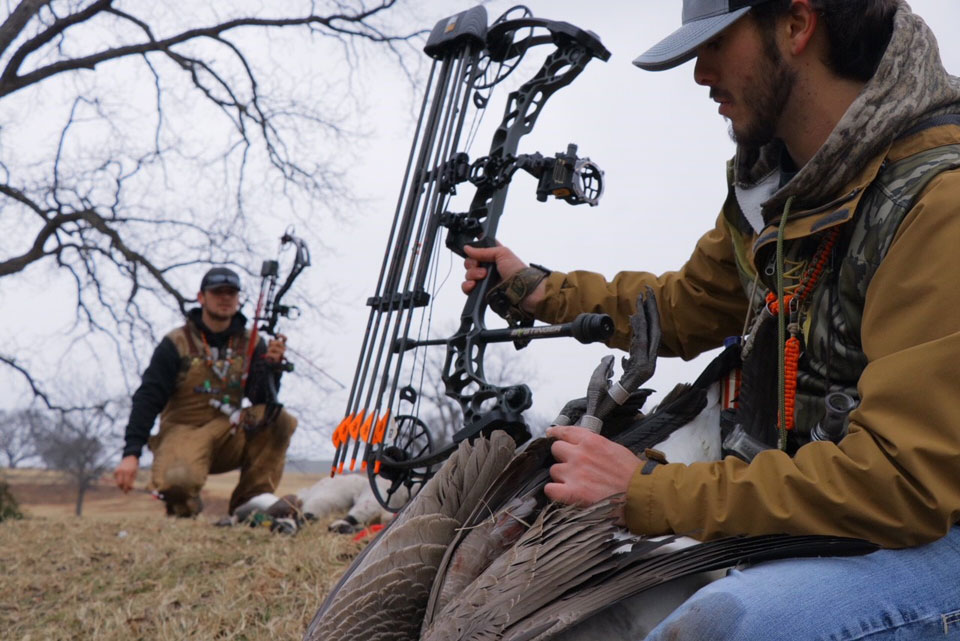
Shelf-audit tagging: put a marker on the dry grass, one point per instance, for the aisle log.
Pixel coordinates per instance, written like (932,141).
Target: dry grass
(109,577)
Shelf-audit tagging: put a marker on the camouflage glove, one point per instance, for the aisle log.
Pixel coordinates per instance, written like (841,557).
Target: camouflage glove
(505,298)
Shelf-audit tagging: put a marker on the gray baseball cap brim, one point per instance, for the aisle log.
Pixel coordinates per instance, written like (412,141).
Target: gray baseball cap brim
(681,45)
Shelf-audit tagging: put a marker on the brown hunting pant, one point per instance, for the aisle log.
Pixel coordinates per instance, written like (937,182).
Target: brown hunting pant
(183,456)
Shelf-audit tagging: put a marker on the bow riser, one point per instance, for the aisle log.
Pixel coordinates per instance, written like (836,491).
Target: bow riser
(464,363)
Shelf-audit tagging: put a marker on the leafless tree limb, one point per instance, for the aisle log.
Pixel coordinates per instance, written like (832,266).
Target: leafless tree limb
(106,202)
(11,80)
(16,21)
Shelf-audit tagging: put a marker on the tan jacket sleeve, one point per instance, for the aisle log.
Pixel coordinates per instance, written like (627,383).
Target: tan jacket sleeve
(895,479)
(700,305)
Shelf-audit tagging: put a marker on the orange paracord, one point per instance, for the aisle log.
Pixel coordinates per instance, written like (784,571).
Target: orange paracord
(791,349)
(791,360)
(813,275)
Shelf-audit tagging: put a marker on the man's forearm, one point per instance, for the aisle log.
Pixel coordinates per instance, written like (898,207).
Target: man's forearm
(533,299)
(150,398)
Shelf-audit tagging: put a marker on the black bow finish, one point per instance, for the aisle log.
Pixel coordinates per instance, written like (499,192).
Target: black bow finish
(399,445)
(268,312)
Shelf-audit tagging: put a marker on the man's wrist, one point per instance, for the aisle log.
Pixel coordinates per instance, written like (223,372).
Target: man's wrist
(532,300)
(517,296)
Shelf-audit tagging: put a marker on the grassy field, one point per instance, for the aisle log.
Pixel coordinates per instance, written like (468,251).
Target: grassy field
(124,571)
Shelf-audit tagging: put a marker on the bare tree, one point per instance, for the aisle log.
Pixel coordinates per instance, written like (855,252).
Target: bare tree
(140,141)
(16,434)
(81,444)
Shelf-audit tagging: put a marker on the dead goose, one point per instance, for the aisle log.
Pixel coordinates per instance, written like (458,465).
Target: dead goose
(569,564)
(481,554)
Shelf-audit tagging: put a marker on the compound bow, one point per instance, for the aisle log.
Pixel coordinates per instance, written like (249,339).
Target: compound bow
(398,446)
(268,312)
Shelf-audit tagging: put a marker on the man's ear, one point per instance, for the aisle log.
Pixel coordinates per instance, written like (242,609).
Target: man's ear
(802,21)
(200,297)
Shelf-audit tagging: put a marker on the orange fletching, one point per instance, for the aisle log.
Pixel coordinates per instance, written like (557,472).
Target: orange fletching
(338,433)
(365,430)
(356,423)
(361,431)
(381,428)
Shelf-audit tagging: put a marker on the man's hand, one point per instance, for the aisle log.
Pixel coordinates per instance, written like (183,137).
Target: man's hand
(126,472)
(276,349)
(507,265)
(589,467)
(506,261)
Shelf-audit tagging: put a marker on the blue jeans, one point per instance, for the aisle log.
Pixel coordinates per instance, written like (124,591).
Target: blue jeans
(907,595)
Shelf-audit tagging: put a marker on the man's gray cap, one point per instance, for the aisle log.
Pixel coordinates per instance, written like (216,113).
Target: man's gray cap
(702,21)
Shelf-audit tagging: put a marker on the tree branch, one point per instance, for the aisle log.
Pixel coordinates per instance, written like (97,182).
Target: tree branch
(12,81)
(97,222)
(17,20)
(39,393)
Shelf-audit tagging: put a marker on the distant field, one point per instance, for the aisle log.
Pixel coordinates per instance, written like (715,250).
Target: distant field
(45,493)
(126,572)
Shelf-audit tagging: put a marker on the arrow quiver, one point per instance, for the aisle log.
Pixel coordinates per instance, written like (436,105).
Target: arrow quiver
(383,410)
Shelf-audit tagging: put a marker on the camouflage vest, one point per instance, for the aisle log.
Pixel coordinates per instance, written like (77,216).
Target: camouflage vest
(830,319)
(204,375)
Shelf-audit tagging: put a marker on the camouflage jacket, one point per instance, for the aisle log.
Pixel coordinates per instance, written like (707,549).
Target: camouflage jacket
(884,325)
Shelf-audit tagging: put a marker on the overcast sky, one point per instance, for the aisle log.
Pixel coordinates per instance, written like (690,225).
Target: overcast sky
(657,136)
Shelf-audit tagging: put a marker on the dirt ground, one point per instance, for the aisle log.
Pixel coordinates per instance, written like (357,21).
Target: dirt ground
(44,493)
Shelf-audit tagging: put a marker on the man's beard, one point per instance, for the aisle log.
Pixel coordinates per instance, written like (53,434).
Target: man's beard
(766,99)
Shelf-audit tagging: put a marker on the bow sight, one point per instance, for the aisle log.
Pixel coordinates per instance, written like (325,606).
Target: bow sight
(469,59)
(565,176)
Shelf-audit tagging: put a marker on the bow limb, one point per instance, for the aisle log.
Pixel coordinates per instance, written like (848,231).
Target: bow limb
(300,262)
(493,407)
